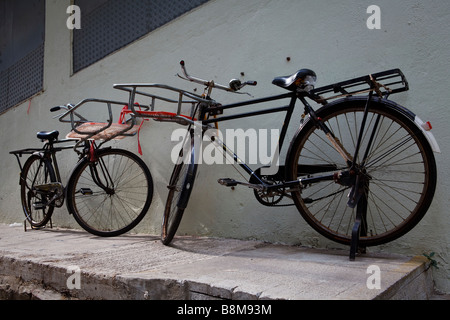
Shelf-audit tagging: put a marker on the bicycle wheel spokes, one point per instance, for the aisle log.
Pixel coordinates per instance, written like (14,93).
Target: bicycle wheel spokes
(392,161)
(110,196)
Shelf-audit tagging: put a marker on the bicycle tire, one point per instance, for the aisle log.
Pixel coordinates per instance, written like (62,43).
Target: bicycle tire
(400,164)
(111,195)
(180,187)
(36,171)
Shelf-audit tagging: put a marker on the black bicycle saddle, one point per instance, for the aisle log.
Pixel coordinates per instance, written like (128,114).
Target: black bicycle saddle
(48,135)
(294,81)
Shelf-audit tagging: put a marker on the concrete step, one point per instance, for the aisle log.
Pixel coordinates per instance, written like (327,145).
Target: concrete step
(70,264)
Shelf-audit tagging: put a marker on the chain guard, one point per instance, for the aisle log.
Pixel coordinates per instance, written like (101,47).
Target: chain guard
(53,192)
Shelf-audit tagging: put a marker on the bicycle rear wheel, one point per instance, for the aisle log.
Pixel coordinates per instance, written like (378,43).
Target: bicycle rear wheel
(36,172)
(180,187)
(399,172)
(111,195)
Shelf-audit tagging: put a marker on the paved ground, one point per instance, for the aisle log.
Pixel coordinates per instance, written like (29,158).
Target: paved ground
(55,263)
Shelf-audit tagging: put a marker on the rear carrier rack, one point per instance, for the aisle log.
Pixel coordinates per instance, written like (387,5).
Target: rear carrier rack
(383,83)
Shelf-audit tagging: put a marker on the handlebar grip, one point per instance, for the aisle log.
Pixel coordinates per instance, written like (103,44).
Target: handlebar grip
(182,63)
(54,109)
(252,83)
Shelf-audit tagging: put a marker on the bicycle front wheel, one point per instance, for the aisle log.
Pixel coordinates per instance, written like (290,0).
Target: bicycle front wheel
(180,187)
(36,205)
(111,195)
(399,171)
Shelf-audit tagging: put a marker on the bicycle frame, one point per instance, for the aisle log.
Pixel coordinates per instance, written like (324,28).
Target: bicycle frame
(289,109)
(366,84)
(382,84)
(52,151)
(94,171)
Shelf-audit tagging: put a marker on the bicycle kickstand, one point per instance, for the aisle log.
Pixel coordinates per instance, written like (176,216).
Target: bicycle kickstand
(360,227)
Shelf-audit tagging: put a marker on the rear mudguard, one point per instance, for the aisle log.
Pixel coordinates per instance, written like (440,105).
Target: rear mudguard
(390,104)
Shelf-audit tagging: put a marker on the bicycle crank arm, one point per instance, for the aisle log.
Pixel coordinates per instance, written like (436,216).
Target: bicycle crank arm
(233,183)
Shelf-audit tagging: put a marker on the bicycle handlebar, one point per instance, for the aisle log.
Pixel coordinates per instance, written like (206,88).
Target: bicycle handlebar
(67,109)
(234,85)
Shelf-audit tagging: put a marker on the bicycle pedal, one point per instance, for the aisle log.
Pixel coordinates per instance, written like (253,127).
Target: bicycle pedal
(86,192)
(228,182)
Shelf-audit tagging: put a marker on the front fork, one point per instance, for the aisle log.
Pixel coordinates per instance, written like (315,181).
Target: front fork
(99,172)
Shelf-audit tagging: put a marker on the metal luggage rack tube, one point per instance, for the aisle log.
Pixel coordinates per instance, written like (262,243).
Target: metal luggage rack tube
(76,123)
(177,117)
(98,129)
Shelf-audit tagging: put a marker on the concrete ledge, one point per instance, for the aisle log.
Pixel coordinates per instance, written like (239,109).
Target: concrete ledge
(51,263)
(415,284)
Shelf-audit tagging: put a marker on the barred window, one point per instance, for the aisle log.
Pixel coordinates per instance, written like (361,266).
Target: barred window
(108,25)
(22,30)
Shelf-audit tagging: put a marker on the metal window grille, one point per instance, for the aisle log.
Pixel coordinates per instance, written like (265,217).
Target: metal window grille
(22,29)
(22,80)
(116,23)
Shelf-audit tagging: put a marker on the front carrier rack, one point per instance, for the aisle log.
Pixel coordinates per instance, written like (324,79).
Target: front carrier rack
(183,115)
(179,110)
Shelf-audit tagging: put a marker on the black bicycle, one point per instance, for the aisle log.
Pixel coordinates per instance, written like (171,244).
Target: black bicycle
(360,170)
(109,190)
